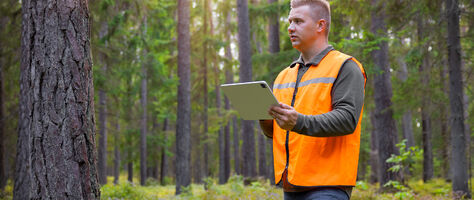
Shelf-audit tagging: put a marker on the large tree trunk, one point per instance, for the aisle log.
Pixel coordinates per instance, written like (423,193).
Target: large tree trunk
(385,128)
(425,102)
(458,139)
(143,124)
(56,137)
(183,127)
(103,117)
(245,55)
(164,157)
(273,47)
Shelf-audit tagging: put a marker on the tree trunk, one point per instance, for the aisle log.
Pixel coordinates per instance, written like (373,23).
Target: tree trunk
(103,117)
(245,55)
(374,152)
(117,150)
(444,118)
(407,125)
(262,161)
(183,127)
(384,122)
(164,157)
(56,136)
(3,178)
(458,139)
(425,102)
(237,156)
(273,47)
(143,125)
(130,168)
(459,161)
(229,74)
(205,91)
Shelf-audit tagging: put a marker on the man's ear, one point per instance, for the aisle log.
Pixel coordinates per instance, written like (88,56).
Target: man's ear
(322,25)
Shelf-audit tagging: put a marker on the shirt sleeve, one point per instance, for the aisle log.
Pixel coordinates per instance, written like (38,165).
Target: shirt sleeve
(347,101)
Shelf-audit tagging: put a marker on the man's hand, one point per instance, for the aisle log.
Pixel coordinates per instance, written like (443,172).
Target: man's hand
(284,115)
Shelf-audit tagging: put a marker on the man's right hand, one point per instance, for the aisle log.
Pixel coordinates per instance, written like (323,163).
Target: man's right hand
(267,127)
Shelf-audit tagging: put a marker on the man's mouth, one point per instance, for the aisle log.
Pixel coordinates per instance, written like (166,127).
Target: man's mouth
(293,37)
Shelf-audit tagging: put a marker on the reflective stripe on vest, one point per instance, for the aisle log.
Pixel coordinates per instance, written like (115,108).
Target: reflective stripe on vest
(314,161)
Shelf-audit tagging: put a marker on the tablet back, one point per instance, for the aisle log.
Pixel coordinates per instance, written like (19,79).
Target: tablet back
(251,99)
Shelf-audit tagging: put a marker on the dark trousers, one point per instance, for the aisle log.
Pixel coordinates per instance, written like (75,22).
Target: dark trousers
(318,194)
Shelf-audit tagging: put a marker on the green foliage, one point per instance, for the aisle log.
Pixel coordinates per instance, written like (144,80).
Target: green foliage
(402,191)
(406,158)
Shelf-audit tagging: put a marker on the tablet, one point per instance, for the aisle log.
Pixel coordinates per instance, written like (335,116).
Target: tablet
(251,99)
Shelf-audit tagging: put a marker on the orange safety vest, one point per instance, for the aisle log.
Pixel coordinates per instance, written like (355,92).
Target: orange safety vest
(314,161)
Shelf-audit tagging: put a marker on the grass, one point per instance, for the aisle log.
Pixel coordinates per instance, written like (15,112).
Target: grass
(436,189)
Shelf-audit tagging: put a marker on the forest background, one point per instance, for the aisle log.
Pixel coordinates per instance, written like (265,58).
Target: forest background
(414,96)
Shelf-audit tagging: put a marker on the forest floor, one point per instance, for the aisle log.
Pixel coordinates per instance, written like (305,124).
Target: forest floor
(436,189)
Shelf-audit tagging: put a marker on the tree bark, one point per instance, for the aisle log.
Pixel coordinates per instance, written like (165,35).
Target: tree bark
(143,124)
(3,178)
(425,102)
(117,150)
(458,139)
(245,55)
(407,125)
(273,31)
(56,136)
(183,127)
(164,157)
(103,117)
(385,128)
(273,47)
(262,160)
(374,152)
(229,74)
(205,91)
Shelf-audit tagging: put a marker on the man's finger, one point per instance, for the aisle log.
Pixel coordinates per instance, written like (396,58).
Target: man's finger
(282,105)
(278,110)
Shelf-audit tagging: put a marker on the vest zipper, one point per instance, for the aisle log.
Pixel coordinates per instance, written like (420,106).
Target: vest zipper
(288,132)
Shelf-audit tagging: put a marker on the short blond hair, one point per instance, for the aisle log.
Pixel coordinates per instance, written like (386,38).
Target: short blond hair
(321,7)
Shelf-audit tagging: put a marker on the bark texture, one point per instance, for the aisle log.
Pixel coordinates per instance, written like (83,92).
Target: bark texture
(117,150)
(425,102)
(183,128)
(229,74)
(374,152)
(143,121)
(164,157)
(245,55)
(273,47)
(384,123)
(3,178)
(56,157)
(262,159)
(103,116)
(205,92)
(458,140)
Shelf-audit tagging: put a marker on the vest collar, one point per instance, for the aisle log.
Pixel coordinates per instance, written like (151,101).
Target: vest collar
(315,60)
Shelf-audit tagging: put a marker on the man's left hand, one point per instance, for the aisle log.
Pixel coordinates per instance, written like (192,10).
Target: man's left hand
(284,115)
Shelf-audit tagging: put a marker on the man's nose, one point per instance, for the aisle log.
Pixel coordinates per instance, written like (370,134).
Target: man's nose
(291,28)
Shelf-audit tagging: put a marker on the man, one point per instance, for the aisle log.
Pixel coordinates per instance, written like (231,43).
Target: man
(316,127)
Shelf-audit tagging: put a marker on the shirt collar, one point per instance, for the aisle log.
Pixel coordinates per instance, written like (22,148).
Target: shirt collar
(315,60)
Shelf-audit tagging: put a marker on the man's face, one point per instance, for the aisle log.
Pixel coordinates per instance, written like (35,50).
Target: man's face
(302,28)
